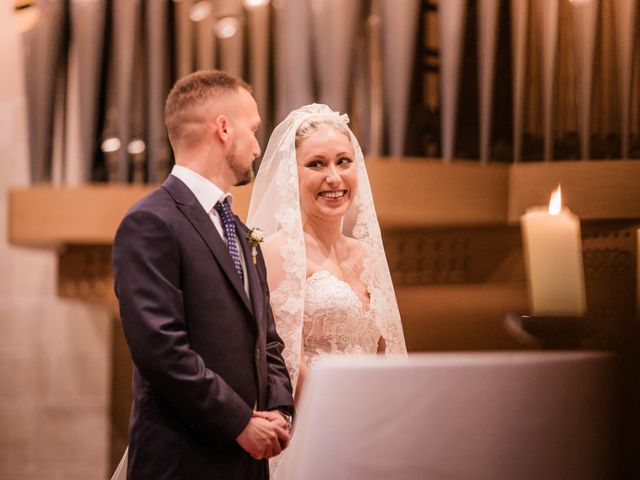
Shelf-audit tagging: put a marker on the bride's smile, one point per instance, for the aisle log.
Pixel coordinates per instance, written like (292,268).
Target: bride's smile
(334,198)
(338,194)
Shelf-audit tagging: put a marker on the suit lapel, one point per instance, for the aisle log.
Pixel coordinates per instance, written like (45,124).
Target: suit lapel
(255,286)
(189,206)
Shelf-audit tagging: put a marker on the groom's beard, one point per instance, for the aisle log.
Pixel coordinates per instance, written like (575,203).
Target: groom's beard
(244,175)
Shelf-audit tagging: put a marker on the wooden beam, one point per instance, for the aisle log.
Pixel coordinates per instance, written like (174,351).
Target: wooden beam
(409,193)
(415,193)
(594,189)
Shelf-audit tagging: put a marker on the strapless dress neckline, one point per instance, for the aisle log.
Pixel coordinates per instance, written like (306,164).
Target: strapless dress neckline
(336,321)
(325,275)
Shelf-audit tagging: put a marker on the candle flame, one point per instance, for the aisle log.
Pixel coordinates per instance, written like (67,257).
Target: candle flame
(555,202)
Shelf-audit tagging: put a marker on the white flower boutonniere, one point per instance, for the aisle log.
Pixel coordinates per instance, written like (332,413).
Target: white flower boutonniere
(255,236)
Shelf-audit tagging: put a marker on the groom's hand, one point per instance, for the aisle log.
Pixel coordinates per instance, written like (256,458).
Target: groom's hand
(276,417)
(262,438)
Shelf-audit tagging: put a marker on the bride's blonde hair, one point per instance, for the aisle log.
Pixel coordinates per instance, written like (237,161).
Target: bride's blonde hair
(309,126)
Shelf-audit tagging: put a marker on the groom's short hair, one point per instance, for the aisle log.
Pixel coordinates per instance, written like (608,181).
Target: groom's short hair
(195,90)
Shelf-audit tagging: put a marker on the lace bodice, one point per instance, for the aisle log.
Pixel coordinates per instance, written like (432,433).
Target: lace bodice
(335,320)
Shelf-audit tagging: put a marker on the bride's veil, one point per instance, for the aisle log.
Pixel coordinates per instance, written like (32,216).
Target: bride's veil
(275,208)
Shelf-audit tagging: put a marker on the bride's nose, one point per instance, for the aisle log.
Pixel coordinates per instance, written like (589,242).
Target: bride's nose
(333,177)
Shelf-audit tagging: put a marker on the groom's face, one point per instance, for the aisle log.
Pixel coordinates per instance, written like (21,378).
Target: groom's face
(244,148)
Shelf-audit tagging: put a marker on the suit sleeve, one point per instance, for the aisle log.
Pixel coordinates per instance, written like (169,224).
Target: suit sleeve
(280,391)
(146,261)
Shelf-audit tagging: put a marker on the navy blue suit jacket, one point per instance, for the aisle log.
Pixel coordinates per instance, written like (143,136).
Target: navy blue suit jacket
(204,354)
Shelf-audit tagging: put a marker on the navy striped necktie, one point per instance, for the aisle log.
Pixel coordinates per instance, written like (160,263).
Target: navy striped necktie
(229,224)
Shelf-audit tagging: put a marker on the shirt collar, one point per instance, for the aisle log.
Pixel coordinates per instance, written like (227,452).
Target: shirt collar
(206,192)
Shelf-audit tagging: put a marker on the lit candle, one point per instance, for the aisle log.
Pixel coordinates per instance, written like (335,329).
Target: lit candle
(553,257)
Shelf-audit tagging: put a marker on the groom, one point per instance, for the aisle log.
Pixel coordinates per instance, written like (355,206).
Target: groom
(211,393)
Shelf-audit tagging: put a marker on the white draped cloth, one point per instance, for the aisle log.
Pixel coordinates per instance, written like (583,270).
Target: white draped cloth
(475,415)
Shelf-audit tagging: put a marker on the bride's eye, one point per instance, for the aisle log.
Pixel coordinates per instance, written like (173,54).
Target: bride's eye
(314,164)
(345,161)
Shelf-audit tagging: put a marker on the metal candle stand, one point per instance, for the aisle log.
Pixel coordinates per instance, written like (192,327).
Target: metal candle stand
(550,332)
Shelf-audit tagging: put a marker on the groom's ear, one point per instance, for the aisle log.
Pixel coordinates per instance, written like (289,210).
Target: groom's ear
(222,128)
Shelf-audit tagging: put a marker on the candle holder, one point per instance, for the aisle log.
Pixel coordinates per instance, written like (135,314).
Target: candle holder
(548,331)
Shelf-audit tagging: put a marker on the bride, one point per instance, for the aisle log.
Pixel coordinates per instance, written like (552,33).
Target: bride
(331,291)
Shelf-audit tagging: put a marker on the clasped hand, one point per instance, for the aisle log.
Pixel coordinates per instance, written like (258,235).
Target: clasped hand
(265,436)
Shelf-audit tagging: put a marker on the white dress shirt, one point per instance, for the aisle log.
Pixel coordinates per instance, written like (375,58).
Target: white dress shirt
(208,194)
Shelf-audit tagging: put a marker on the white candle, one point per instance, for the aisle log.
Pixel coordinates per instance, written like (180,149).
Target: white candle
(553,257)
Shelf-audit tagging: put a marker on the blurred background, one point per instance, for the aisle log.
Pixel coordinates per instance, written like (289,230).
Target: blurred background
(485,80)
(468,111)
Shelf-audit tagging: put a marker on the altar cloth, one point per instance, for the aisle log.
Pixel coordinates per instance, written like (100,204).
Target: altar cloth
(504,415)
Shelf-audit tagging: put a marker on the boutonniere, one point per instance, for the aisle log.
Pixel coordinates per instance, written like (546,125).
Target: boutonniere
(255,236)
